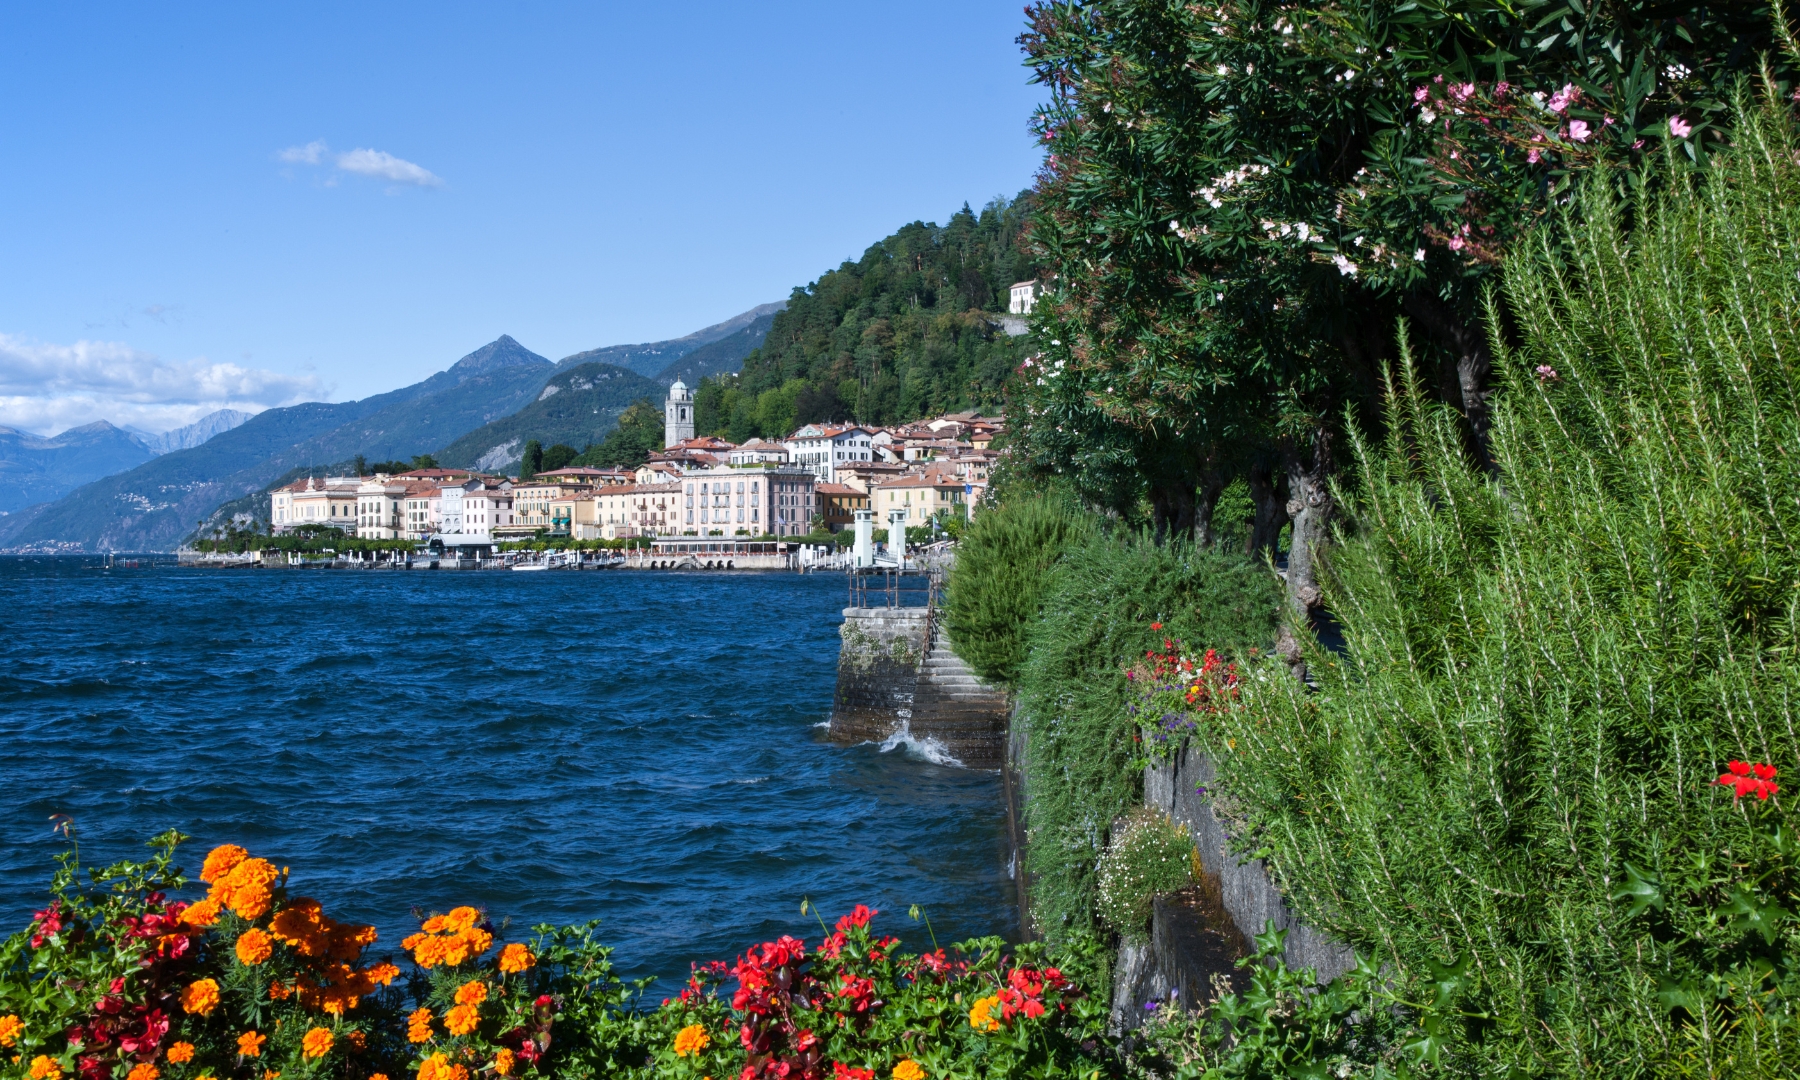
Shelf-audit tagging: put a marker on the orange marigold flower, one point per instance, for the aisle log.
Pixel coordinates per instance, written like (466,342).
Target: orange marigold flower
(298,924)
(908,1070)
(503,1061)
(205,913)
(181,1053)
(278,991)
(691,1040)
(471,993)
(254,946)
(462,1019)
(461,918)
(10,1026)
(271,1074)
(430,952)
(418,1026)
(245,889)
(378,1076)
(357,1041)
(220,861)
(516,958)
(250,1044)
(382,973)
(143,1070)
(45,1068)
(317,1043)
(980,1014)
(201,996)
(438,1067)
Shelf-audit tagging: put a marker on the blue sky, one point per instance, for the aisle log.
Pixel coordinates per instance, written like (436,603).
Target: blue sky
(252,204)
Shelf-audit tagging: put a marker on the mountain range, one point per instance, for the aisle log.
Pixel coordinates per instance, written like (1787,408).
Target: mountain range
(474,411)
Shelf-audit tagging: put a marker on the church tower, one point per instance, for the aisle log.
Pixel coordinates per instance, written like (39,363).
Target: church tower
(678,414)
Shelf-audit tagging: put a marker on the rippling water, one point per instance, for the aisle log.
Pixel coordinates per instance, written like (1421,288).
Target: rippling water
(634,746)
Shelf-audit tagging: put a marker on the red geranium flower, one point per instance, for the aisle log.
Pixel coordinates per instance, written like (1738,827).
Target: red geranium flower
(1744,779)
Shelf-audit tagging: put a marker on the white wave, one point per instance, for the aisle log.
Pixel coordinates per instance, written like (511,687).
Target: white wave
(928,748)
(823,724)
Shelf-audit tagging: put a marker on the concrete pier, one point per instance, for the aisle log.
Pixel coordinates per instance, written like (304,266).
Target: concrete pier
(898,675)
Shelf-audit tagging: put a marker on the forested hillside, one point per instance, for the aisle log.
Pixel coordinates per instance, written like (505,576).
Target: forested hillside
(909,329)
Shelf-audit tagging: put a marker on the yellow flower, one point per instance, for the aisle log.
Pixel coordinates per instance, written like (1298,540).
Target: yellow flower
(220,861)
(462,1019)
(418,1026)
(979,1017)
(143,1071)
(10,1026)
(503,1061)
(250,1044)
(201,997)
(45,1068)
(181,1053)
(254,946)
(908,1070)
(317,1043)
(516,958)
(471,993)
(690,1040)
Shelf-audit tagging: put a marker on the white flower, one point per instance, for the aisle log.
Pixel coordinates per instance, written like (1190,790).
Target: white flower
(1427,115)
(1419,255)
(1345,266)
(1054,341)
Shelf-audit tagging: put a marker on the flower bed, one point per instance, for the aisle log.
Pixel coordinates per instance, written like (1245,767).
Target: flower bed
(119,980)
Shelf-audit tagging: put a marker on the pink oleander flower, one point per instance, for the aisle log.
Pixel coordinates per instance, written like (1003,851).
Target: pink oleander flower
(1579,131)
(1546,373)
(1561,100)
(1420,94)
(1534,157)
(1680,128)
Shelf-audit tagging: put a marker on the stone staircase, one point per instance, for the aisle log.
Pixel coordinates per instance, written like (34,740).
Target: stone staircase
(955,708)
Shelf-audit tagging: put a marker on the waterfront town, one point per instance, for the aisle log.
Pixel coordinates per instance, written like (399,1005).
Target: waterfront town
(812,482)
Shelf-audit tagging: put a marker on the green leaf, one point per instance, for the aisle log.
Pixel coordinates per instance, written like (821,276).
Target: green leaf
(1643,891)
(1747,913)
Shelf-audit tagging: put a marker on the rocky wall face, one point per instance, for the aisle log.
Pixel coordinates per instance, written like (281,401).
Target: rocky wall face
(1181,788)
(878,672)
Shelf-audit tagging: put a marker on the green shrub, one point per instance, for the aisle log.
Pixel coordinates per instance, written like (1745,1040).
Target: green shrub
(1511,774)
(1148,856)
(1001,569)
(1081,769)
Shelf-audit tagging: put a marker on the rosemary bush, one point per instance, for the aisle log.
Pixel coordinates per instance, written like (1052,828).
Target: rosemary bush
(1506,790)
(998,583)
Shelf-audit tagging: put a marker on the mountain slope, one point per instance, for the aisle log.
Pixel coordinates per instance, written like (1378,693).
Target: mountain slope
(186,438)
(577,406)
(725,355)
(151,507)
(651,358)
(34,469)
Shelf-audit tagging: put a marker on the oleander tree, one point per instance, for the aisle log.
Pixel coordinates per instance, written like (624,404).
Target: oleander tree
(1240,200)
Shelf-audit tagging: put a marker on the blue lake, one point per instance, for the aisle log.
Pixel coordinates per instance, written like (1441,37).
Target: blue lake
(640,747)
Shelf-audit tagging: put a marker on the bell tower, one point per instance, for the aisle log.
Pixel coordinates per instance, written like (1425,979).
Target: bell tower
(678,414)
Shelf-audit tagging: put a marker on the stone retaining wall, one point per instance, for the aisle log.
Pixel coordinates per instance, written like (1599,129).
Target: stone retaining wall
(896,673)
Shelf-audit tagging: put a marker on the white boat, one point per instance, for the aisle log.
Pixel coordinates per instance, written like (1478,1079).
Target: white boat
(531,566)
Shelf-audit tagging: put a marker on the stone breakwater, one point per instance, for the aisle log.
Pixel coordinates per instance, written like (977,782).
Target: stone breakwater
(898,679)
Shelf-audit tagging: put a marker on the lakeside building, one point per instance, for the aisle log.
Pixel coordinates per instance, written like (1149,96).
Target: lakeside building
(755,500)
(585,474)
(921,497)
(329,500)
(535,504)
(838,504)
(823,449)
(468,514)
(1022,297)
(759,452)
(866,474)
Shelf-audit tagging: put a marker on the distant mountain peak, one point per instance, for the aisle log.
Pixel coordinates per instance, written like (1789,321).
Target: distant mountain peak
(502,352)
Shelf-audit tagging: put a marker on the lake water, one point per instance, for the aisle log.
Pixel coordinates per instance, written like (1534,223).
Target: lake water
(636,746)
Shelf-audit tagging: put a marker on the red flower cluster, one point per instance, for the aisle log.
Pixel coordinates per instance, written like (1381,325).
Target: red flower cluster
(129,1023)
(841,1071)
(772,980)
(532,1041)
(1024,992)
(1747,779)
(46,923)
(1213,685)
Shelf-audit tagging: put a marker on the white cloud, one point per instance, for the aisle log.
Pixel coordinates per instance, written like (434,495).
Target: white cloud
(363,162)
(304,155)
(47,387)
(388,167)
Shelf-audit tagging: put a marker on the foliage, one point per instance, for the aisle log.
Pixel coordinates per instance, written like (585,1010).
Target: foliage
(638,434)
(1149,855)
(557,457)
(1081,761)
(1283,1025)
(117,981)
(1511,772)
(310,538)
(1002,568)
(1174,692)
(907,330)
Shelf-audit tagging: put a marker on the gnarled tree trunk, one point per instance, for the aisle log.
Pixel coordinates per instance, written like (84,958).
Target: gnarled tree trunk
(1206,497)
(1469,348)
(1172,509)
(1271,509)
(1311,509)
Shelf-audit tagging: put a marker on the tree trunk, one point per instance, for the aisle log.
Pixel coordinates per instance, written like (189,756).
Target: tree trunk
(1271,514)
(1469,349)
(1207,497)
(1172,509)
(1311,509)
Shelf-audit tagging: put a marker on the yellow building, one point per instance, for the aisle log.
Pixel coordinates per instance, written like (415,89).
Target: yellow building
(922,497)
